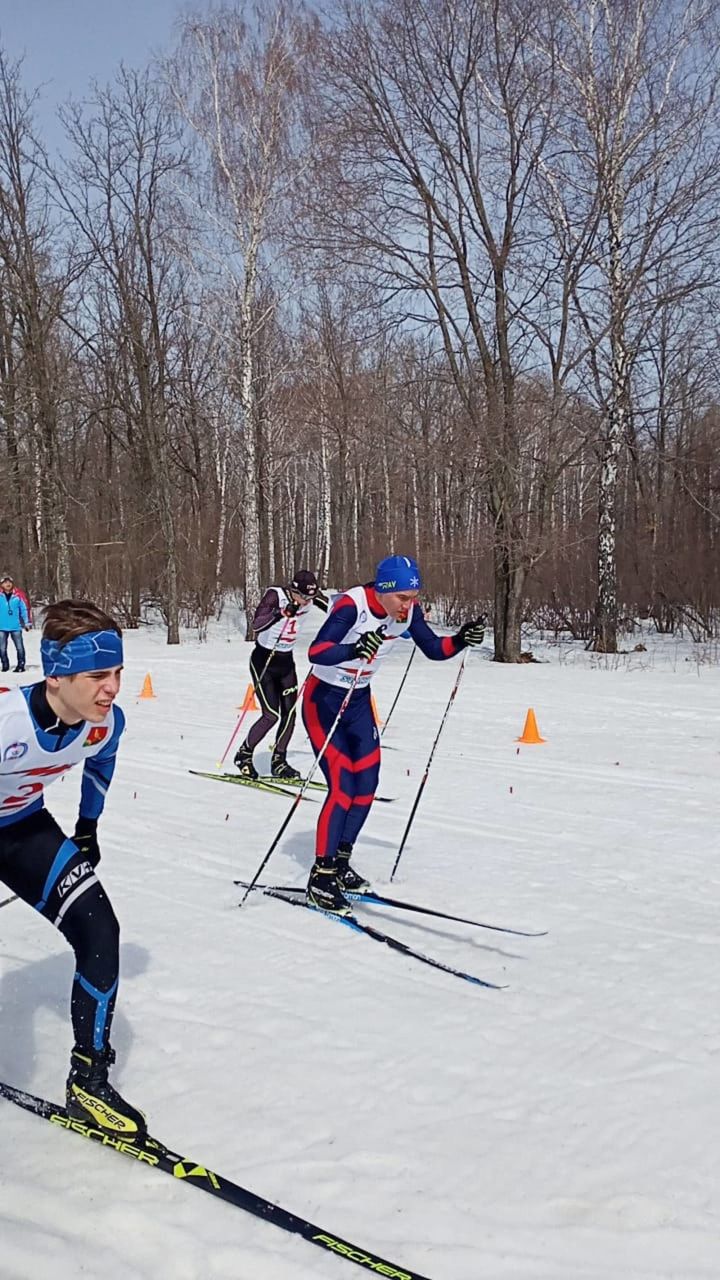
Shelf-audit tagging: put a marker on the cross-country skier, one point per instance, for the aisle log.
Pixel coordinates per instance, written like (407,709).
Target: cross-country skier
(272,668)
(45,729)
(360,630)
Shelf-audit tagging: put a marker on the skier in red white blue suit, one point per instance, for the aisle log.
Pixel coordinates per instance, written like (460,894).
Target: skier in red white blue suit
(363,625)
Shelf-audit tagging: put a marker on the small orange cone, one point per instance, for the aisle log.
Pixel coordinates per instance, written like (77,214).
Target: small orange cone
(147,689)
(530,733)
(249,702)
(375,711)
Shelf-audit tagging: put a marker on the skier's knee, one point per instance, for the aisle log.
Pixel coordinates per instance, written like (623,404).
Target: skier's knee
(91,927)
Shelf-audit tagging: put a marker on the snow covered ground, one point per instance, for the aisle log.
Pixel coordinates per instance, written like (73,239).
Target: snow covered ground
(562,1129)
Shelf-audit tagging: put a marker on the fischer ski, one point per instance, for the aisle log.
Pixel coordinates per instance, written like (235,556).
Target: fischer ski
(370,932)
(378,900)
(154,1155)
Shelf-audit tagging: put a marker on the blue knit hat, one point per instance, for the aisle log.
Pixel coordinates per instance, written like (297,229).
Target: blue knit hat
(397,573)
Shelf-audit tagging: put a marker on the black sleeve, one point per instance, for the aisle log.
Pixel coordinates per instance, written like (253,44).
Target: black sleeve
(268,611)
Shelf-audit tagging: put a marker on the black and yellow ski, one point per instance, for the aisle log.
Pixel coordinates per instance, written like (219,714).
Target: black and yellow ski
(154,1155)
(260,784)
(312,785)
(271,784)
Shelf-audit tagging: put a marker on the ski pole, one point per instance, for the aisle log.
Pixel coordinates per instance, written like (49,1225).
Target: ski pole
(284,825)
(400,689)
(233,736)
(238,726)
(424,779)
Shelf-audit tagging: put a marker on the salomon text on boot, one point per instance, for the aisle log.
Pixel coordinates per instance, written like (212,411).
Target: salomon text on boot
(324,891)
(348,878)
(91,1097)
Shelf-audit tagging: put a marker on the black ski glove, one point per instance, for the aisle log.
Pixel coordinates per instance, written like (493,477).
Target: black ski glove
(85,837)
(472,633)
(291,608)
(368,644)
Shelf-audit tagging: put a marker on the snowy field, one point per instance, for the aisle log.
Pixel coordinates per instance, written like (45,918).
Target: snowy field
(562,1129)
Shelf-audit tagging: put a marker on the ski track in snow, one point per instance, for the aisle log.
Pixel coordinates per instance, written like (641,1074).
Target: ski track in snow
(563,1129)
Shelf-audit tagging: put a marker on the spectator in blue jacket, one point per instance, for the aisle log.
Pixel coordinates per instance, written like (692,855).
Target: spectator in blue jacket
(13,618)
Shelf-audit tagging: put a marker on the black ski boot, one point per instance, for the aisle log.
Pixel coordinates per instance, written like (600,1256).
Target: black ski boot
(323,890)
(280,768)
(348,878)
(20,666)
(92,1099)
(244,763)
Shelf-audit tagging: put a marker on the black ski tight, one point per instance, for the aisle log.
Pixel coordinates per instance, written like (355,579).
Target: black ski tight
(276,687)
(46,870)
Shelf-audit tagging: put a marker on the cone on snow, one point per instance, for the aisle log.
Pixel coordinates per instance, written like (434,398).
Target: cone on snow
(249,702)
(376,713)
(147,690)
(530,734)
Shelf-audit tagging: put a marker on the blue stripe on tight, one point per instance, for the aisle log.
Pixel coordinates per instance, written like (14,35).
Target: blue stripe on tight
(62,857)
(103,999)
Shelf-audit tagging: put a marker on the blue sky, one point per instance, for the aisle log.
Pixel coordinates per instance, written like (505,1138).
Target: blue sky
(67,43)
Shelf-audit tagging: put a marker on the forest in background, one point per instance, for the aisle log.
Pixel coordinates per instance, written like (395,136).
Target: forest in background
(430,276)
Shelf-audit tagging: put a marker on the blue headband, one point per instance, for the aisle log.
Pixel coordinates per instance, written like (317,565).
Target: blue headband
(95,651)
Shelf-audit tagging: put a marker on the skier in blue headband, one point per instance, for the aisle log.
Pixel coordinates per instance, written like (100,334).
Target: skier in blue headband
(69,718)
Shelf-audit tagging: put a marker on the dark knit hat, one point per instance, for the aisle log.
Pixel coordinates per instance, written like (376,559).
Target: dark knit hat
(305,583)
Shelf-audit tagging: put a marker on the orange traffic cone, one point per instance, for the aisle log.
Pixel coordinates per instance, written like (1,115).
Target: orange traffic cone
(530,733)
(249,702)
(375,711)
(147,689)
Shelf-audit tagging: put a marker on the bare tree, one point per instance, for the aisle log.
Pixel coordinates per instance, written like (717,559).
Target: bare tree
(35,274)
(116,191)
(238,83)
(437,127)
(635,138)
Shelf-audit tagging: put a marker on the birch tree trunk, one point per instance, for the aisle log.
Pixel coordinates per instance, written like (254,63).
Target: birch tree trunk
(606,620)
(325,512)
(251,506)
